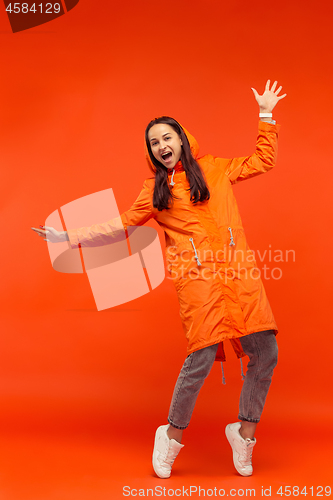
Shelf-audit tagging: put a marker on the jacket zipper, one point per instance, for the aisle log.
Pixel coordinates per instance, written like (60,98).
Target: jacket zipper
(231,237)
(195,251)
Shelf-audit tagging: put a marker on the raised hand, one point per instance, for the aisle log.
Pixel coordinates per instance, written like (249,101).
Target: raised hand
(268,100)
(51,234)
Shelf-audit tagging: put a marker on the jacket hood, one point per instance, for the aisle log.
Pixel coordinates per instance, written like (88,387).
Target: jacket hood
(193,143)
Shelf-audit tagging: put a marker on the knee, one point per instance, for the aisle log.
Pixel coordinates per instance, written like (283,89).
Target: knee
(203,361)
(203,370)
(274,350)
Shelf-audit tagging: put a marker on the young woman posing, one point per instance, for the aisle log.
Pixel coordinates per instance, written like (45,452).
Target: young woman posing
(219,289)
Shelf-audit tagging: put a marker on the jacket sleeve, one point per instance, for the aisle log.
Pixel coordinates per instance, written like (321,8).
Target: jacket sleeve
(114,229)
(261,161)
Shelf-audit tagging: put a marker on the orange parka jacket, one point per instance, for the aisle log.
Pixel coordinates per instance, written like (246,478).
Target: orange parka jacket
(220,292)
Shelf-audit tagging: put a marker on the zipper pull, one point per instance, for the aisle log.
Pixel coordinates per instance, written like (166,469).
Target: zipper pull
(195,251)
(231,237)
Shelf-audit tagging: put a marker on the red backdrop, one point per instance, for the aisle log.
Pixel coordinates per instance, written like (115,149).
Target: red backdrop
(77,94)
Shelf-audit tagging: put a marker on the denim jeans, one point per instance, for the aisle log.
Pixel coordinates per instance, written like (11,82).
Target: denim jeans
(262,350)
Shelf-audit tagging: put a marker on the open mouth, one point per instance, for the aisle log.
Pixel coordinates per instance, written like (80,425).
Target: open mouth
(167,156)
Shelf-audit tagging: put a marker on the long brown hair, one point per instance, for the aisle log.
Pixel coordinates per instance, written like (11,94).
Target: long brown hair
(198,187)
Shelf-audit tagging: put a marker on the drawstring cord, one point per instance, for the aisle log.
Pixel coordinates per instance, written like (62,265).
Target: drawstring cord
(242,373)
(223,378)
(195,251)
(231,237)
(171,182)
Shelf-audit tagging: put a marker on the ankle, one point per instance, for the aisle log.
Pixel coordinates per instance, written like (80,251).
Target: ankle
(245,435)
(175,434)
(247,429)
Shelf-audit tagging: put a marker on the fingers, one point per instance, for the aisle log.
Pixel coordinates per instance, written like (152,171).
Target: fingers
(255,92)
(271,90)
(44,230)
(40,232)
(274,86)
(278,90)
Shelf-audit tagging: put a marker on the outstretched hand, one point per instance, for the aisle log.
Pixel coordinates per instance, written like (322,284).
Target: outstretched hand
(268,100)
(50,234)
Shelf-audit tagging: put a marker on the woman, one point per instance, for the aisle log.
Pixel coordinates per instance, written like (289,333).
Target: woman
(218,285)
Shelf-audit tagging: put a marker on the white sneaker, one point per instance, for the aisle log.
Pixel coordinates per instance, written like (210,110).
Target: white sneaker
(165,452)
(241,448)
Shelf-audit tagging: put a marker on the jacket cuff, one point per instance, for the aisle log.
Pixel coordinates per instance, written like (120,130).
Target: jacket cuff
(73,238)
(123,219)
(269,127)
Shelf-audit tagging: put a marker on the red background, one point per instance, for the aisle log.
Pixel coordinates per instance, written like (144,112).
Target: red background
(82,391)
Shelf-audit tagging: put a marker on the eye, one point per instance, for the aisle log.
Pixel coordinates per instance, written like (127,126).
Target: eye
(153,143)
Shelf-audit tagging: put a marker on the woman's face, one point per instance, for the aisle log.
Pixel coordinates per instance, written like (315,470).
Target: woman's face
(165,143)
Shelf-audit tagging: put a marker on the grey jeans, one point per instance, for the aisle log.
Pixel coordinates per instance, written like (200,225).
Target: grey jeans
(260,347)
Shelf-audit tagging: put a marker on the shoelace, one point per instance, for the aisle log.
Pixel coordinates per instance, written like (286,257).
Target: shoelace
(169,458)
(246,458)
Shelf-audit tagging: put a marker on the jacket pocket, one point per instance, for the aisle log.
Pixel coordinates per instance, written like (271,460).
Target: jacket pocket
(190,254)
(241,261)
